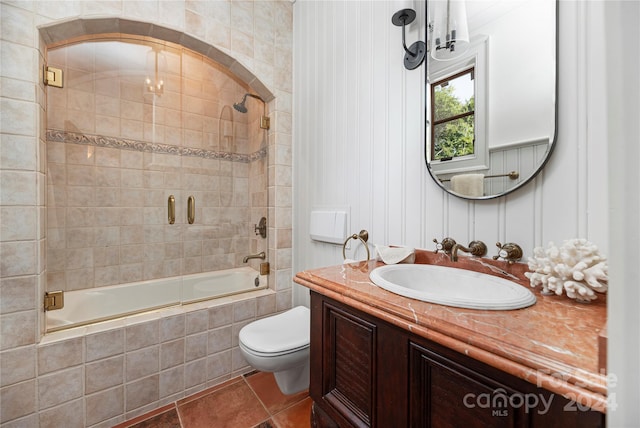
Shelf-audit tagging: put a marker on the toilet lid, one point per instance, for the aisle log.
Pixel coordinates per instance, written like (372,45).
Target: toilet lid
(278,334)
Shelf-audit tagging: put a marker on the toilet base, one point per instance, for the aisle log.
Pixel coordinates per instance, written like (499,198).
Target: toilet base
(293,380)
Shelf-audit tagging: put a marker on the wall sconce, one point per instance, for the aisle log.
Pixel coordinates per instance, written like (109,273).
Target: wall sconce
(449,30)
(414,55)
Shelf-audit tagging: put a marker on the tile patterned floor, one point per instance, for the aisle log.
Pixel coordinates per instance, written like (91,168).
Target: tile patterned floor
(250,401)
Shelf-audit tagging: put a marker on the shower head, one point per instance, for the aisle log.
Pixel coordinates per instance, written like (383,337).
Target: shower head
(241,107)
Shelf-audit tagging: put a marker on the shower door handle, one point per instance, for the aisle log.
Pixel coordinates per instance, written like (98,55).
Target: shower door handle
(171,208)
(191,209)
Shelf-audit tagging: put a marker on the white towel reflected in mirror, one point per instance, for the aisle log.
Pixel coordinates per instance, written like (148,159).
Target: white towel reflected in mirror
(468,184)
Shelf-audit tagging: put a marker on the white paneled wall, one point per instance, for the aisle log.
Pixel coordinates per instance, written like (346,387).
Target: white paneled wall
(358,140)
(622,92)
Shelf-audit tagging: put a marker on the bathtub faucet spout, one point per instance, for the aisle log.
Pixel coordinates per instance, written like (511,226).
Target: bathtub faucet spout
(260,255)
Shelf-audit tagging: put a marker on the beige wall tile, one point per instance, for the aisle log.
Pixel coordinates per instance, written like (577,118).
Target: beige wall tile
(102,345)
(27,421)
(142,392)
(67,415)
(17,89)
(196,346)
(18,61)
(172,327)
(107,157)
(17,25)
(142,335)
(171,382)
(144,10)
(195,373)
(104,374)
(104,405)
(74,239)
(196,321)
(237,360)
(108,275)
(18,152)
(131,272)
(80,196)
(171,12)
(172,354)
(103,7)
(17,188)
(218,364)
(244,310)
(79,155)
(18,223)
(80,100)
(79,259)
(60,387)
(17,294)
(283,300)
(60,355)
(142,362)
(107,196)
(17,400)
(220,316)
(18,258)
(107,105)
(17,365)
(78,279)
(107,177)
(266,305)
(219,339)
(106,125)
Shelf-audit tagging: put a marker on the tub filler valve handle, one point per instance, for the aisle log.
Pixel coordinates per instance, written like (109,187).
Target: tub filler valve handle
(261,227)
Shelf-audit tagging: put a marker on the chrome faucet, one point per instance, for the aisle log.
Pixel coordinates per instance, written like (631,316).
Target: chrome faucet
(476,248)
(260,255)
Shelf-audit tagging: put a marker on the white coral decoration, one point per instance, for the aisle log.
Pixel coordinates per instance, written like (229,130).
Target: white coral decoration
(577,267)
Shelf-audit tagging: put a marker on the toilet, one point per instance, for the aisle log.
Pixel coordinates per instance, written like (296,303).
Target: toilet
(280,344)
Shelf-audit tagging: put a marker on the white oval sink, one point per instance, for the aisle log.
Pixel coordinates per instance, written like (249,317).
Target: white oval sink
(452,287)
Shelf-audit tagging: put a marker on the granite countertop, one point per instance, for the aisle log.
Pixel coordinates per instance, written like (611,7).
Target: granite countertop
(553,344)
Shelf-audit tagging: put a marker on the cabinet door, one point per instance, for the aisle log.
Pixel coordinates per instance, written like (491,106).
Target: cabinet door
(348,365)
(445,394)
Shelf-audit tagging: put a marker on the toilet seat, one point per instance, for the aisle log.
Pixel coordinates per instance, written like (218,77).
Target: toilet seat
(280,334)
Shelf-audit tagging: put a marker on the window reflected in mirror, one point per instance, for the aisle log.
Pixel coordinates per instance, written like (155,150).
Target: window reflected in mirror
(453,116)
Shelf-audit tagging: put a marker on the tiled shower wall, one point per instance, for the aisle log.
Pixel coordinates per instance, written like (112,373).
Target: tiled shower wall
(116,151)
(64,382)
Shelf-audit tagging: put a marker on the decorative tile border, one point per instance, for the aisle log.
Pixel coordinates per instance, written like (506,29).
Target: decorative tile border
(58,136)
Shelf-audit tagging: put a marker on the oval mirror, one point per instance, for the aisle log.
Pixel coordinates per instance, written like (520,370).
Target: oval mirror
(491,91)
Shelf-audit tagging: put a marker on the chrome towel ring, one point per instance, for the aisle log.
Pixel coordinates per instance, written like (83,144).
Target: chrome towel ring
(363,236)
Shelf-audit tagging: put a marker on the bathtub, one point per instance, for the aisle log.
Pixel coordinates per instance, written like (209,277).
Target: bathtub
(82,307)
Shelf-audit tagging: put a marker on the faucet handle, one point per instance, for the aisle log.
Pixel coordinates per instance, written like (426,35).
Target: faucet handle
(261,227)
(445,246)
(510,252)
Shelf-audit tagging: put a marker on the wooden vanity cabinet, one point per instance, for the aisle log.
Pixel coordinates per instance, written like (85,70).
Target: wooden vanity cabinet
(366,372)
